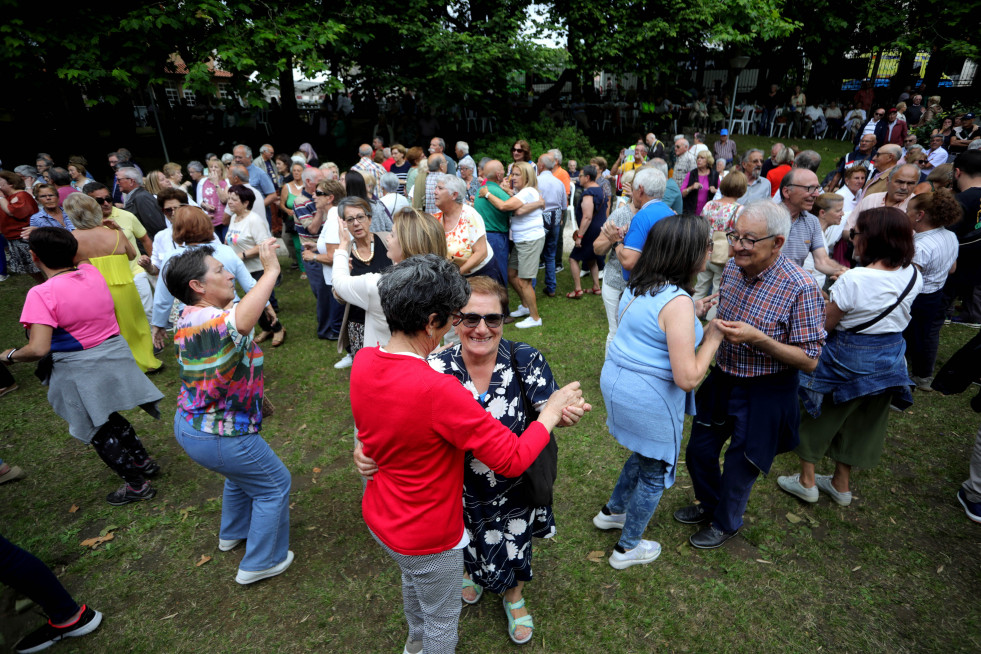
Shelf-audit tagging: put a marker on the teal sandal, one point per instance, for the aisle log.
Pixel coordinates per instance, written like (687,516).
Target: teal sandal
(467,583)
(514,623)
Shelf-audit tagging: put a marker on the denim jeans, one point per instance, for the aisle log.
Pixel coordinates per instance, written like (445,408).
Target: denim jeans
(324,295)
(256,502)
(637,494)
(498,241)
(553,233)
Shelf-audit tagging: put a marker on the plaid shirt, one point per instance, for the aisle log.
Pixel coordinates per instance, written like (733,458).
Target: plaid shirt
(431,179)
(368,167)
(783,302)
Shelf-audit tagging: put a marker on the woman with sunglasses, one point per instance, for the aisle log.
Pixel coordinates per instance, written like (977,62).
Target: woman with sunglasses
(862,369)
(651,369)
(520,151)
(110,252)
(511,381)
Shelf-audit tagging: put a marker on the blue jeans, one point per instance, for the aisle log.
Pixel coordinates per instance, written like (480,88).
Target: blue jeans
(256,502)
(637,494)
(498,241)
(324,295)
(553,232)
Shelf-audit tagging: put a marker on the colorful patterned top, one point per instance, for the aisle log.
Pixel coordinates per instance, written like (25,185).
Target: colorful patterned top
(221,373)
(783,302)
(469,229)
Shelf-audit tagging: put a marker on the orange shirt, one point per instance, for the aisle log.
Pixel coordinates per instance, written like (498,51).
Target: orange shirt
(562,175)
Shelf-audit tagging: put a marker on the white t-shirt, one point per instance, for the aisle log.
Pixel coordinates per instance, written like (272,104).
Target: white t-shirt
(832,234)
(528,227)
(864,293)
(245,234)
(936,252)
(330,234)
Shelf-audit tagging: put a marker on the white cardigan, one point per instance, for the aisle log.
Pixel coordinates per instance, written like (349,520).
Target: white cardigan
(363,292)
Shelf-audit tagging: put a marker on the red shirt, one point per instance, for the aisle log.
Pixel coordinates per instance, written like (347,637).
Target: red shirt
(417,424)
(21,206)
(775,176)
(387,164)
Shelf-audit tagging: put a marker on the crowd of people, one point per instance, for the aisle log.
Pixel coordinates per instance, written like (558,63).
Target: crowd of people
(785,312)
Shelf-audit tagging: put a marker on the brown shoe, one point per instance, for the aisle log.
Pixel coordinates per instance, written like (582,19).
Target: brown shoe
(279,337)
(263,336)
(508,320)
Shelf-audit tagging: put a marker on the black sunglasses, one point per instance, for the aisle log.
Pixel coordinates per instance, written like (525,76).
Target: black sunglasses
(321,194)
(471,320)
(103,200)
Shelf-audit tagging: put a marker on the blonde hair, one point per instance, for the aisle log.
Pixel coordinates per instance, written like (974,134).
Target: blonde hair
(529,177)
(419,233)
(84,212)
(170,169)
(825,201)
(221,165)
(708,157)
(151,183)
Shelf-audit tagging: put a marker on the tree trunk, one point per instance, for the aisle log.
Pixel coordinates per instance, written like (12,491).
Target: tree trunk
(902,77)
(287,95)
(935,70)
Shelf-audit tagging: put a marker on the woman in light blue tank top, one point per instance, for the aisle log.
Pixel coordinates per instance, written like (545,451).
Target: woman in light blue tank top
(651,369)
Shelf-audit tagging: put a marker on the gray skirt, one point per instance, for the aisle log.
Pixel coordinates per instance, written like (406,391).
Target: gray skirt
(87,386)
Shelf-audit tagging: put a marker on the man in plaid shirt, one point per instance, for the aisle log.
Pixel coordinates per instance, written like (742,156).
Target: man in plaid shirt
(772,315)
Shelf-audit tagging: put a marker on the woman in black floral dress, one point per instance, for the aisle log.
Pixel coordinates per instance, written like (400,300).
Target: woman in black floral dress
(497,518)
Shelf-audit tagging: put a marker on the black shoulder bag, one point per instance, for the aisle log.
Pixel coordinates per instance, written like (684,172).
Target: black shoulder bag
(539,478)
(868,323)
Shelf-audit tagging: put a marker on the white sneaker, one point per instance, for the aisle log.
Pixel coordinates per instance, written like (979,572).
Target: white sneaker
(3,278)
(583,273)
(645,552)
(792,485)
(823,482)
(245,577)
(346,362)
(522,310)
(528,322)
(601,274)
(228,544)
(612,521)
(922,383)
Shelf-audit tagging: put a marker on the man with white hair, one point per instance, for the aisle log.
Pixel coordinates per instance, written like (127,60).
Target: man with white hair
(257,178)
(648,189)
(556,202)
(771,313)
(563,176)
(366,166)
(684,161)
(883,162)
(655,149)
(672,192)
(139,201)
(462,150)
(392,201)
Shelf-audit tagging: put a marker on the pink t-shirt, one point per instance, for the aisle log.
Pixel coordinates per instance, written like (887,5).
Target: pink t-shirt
(64,192)
(77,305)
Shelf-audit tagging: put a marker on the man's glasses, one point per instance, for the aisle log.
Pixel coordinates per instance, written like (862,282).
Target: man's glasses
(744,241)
(471,320)
(807,189)
(103,200)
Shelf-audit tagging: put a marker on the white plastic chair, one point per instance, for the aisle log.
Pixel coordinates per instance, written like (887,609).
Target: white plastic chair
(746,122)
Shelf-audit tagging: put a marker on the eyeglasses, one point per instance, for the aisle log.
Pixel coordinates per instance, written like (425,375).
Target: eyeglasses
(808,189)
(517,150)
(879,115)
(710,246)
(362,219)
(169,211)
(854,233)
(744,241)
(321,194)
(106,200)
(471,320)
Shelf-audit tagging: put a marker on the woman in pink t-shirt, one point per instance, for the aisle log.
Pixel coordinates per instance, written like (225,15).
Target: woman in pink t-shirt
(73,331)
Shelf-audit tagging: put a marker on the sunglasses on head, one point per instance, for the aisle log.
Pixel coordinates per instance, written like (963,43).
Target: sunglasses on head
(471,320)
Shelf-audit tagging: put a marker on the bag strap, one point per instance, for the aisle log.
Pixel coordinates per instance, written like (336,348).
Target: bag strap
(909,287)
(530,411)
(620,317)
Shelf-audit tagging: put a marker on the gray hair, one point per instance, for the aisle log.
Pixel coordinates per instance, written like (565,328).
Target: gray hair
(245,148)
(463,147)
(748,153)
(652,181)
(467,162)
(784,156)
(123,155)
(389,182)
(454,184)
(364,150)
(557,154)
(547,161)
(435,161)
(419,287)
(776,216)
(442,143)
(85,212)
(195,165)
(239,171)
(299,159)
(484,160)
(27,171)
(131,173)
(659,164)
(265,148)
(684,141)
(311,175)
(808,159)
(974,145)
(895,170)
(227,158)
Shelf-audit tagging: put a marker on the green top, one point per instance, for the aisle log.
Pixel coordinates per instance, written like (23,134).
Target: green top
(494,219)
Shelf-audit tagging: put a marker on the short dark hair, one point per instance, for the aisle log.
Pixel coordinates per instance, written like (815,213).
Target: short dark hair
(672,254)
(418,287)
(54,246)
(92,187)
(969,163)
(591,171)
(172,194)
(60,176)
(244,194)
(887,236)
(184,267)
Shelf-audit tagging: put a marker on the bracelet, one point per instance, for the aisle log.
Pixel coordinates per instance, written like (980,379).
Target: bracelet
(10,356)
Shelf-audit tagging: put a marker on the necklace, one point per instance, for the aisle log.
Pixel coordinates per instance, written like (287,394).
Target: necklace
(371,255)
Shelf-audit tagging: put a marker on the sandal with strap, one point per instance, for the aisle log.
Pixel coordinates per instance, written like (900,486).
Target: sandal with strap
(279,337)
(595,291)
(514,623)
(262,337)
(477,588)
(575,295)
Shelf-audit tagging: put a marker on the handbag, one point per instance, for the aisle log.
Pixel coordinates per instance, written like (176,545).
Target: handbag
(902,296)
(539,478)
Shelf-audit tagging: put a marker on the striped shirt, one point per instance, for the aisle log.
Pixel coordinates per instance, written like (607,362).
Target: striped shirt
(783,302)
(936,252)
(805,237)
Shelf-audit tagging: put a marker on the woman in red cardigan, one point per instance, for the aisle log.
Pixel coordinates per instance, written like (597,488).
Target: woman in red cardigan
(417,424)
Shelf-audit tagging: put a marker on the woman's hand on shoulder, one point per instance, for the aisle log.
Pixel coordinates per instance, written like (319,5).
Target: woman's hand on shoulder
(366,465)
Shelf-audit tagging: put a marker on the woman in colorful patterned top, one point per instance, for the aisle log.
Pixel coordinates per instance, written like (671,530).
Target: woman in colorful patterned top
(220,405)
(466,239)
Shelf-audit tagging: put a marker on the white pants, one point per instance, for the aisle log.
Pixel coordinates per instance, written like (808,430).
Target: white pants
(142,281)
(611,302)
(707,283)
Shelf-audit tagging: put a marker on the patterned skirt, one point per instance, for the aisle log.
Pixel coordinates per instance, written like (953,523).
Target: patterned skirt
(19,260)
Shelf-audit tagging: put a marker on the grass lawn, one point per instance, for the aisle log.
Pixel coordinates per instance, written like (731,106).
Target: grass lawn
(897,571)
